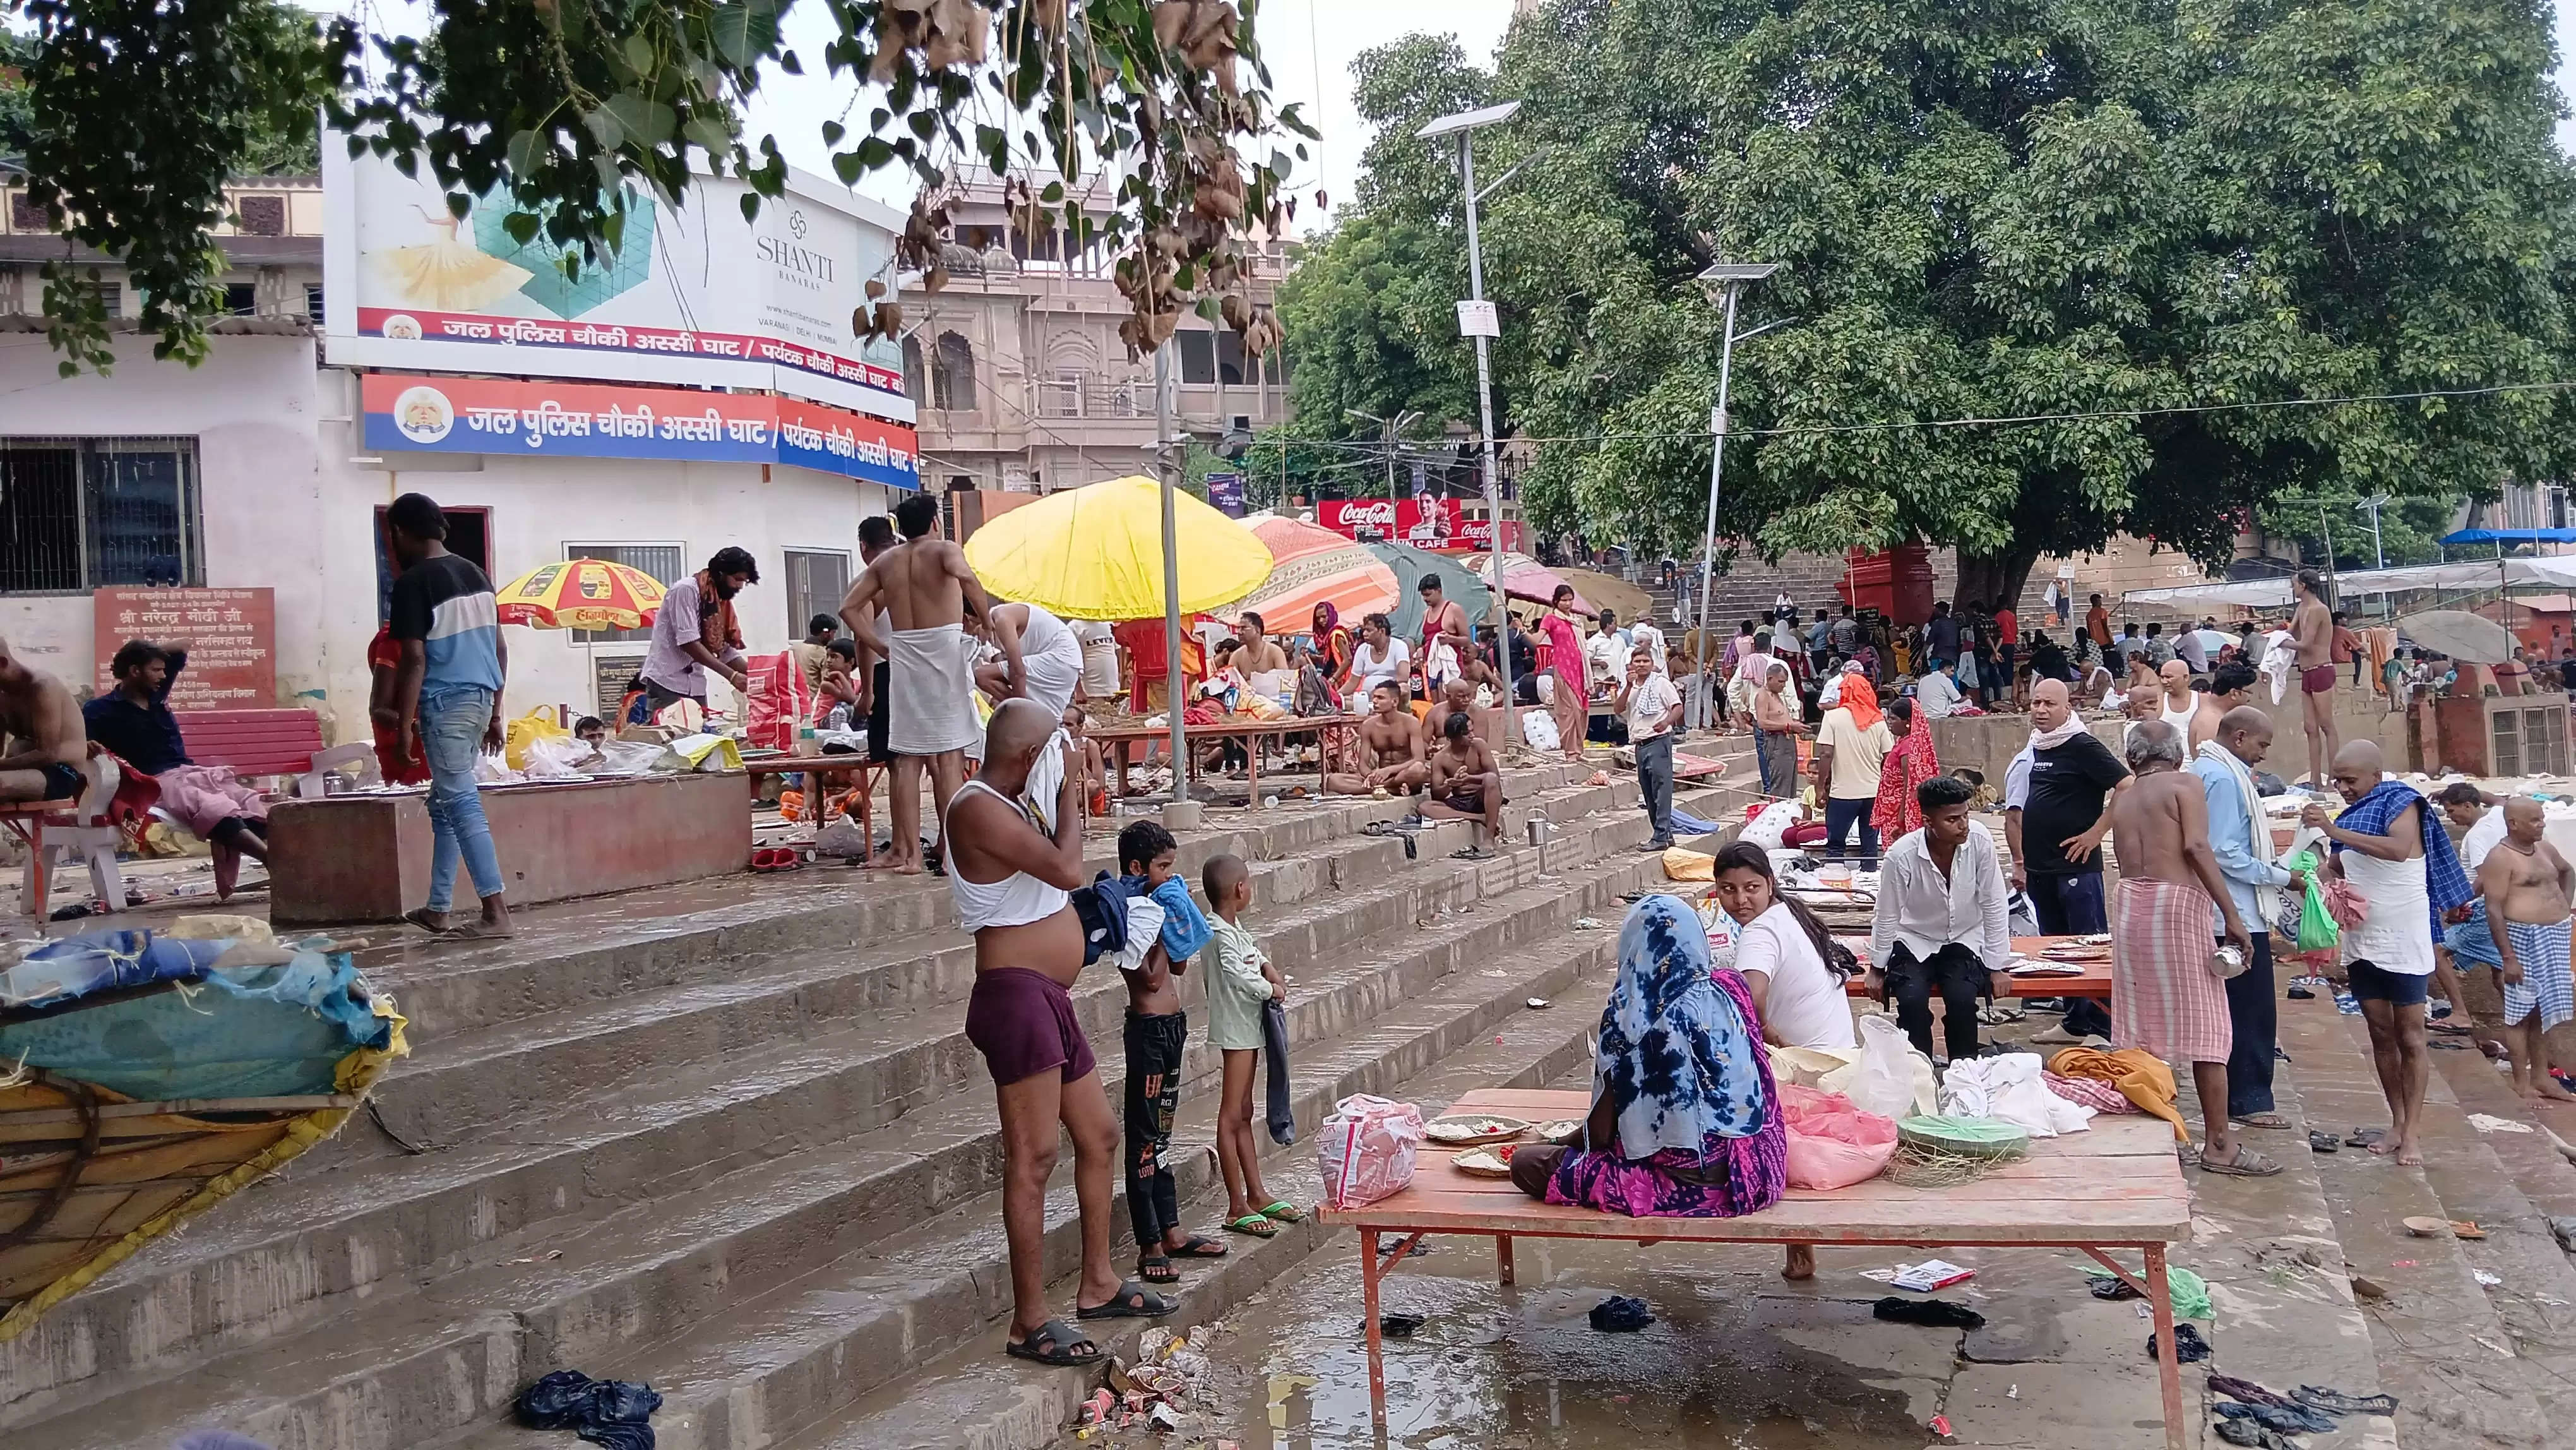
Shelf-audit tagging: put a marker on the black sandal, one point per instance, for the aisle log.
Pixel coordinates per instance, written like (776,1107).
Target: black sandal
(1198,1247)
(1157,1269)
(1052,1343)
(1134,1301)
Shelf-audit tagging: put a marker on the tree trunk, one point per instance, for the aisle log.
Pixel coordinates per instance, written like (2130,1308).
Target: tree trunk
(1985,578)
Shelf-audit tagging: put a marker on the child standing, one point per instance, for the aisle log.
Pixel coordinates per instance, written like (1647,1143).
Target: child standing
(1242,982)
(1164,931)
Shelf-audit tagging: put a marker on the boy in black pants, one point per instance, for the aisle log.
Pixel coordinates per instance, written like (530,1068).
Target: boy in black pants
(1156,1031)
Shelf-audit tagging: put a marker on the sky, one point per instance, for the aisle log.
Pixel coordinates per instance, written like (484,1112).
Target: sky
(1308,43)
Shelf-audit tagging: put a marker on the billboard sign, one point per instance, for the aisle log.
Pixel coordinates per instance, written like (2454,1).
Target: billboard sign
(230,636)
(698,295)
(1225,493)
(1439,524)
(416,413)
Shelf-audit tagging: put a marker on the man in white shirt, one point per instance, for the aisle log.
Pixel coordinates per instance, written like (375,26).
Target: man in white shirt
(1605,655)
(1379,655)
(1645,636)
(1940,921)
(1653,707)
(1937,693)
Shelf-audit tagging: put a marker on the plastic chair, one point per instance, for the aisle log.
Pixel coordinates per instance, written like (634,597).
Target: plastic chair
(84,833)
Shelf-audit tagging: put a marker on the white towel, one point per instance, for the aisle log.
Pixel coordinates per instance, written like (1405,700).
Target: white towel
(930,681)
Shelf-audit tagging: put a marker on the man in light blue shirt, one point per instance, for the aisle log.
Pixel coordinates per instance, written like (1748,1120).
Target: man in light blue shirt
(2241,837)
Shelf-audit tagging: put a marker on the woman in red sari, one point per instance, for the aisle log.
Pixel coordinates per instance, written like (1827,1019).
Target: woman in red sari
(1334,646)
(1910,764)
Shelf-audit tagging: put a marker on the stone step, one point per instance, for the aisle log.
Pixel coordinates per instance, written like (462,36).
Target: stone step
(726,1390)
(975,1396)
(410,1385)
(2537,1161)
(2440,1345)
(274,1260)
(490,1203)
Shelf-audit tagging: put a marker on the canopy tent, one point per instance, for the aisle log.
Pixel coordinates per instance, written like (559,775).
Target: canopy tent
(2507,536)
(1096,552)
(1411,565)
(1608,591)
(1527,578)
(2275,593)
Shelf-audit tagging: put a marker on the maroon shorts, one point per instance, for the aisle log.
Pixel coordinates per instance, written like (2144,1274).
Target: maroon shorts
(1023,1023)
(2318,680)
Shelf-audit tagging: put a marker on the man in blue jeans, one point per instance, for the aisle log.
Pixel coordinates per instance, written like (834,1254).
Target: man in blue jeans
(447,691)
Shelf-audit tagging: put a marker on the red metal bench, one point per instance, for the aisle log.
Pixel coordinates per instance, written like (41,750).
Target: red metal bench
(258,743)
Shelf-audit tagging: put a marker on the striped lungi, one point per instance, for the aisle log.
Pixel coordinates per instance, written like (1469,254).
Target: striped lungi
(2547,986)
(2163,997)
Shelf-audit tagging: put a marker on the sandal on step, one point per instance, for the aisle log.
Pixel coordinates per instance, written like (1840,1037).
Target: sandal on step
(1198,1248)
(1253,1224)
(1157,1269)
(2273,1121)
(1052,1343)
(1134,1301)
(1283,1212)
(2246,1164)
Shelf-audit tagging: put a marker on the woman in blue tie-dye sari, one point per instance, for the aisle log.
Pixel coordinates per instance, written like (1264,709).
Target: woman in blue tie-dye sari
(1685,1121)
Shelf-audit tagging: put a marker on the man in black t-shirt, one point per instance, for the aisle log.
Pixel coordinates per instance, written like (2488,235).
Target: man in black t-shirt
(2055,827)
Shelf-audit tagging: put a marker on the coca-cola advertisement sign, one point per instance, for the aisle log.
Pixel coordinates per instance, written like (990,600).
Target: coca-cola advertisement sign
(1425,523)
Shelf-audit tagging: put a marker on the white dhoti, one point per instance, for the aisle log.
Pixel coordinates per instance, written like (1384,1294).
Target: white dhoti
(930,683)
(1051,657)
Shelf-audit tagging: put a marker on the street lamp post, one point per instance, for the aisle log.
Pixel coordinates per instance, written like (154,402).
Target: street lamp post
(1389,429)
(1723,281)
(1475,317)
(2378,553)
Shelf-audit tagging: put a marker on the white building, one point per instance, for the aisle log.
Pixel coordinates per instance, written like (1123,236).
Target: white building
(255,470)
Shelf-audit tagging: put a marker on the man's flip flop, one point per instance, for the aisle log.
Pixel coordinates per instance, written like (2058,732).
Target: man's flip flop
(1283,1212)
(1054,1343)
(1157,1269)
(2273,1121)
(1253,1224)
(433,922)
(1198,1248)
(2324,1142)
(2247,1164)
(1134,1301)
(2364,1137)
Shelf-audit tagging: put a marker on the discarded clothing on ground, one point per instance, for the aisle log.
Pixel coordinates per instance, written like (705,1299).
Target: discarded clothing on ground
(614,1413)
(1936,1313)
(2248,1391)
(2336,1402)
(2247,1433)
(1621,1313)
(2295,1420)
(2140,1076)
(2189,1347)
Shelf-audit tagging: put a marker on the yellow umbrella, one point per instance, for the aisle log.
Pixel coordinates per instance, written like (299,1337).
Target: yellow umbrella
(581,594)
(1096,552)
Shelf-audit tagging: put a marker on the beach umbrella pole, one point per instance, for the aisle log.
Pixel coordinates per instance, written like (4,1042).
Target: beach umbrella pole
(1175,697)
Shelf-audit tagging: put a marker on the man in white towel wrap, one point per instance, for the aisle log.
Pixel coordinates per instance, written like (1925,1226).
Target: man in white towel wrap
(927,591)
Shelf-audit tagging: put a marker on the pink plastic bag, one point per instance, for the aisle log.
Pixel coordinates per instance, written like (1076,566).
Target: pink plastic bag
(1833,1144)
(1366,1149)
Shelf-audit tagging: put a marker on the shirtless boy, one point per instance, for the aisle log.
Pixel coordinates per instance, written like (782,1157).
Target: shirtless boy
(1466,784)
(1390,747)
(927,590)
(44,748)
(2312,632)
(2529,886)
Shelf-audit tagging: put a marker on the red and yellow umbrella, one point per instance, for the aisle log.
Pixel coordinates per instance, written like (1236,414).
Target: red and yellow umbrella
(581,594)
(1310,566)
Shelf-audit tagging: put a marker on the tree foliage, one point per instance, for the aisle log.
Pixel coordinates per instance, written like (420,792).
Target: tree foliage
(144,107)
(1997,209)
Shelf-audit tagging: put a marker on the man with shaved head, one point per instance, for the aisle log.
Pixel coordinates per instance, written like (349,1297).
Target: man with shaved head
(2388,846)
(44,748)
(2240,836)
(2164,997)
(2528,887)
(1010,877)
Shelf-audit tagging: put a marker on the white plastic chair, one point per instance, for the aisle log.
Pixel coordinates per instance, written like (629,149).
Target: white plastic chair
(90,837)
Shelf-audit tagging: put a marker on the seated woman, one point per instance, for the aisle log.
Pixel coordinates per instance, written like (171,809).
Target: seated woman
(1685,1122)
(1787,959)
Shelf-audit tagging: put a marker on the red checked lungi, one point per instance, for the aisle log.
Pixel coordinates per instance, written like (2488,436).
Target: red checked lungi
(2163,997)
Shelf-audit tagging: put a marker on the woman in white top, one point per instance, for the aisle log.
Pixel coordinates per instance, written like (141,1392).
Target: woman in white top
(1784,953)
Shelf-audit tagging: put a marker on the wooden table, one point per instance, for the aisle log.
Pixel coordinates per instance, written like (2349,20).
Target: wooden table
(1247,730)
(2116,1186)
(2094,982)
(855,764)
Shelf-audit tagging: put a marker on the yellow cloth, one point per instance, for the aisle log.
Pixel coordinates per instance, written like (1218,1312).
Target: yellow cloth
(1096,552)
(2140,1075)
(1681,864)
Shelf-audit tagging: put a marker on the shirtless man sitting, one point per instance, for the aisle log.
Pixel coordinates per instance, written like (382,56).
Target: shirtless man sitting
(1455,697)
(1466,783)
(1009,880)
(44,751)
(927,590)
(2529,887)
(1390,748)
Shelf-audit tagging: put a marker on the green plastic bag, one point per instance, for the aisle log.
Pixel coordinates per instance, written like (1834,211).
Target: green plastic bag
(2189,1292)
(2317,929)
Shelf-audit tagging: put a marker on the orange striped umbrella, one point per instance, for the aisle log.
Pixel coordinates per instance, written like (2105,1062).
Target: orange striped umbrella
(1311,565)
(581,594)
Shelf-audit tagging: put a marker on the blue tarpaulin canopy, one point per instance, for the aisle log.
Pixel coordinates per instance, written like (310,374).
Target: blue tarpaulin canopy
(2509,536)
